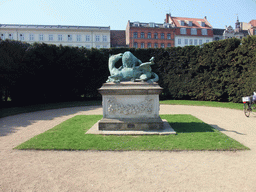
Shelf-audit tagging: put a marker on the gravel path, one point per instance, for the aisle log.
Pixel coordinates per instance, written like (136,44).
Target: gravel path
(126,171)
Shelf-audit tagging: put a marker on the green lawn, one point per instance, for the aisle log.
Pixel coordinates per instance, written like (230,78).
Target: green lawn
(192,134)
(229,105)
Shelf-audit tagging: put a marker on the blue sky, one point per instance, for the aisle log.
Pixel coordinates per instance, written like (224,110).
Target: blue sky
(116,13)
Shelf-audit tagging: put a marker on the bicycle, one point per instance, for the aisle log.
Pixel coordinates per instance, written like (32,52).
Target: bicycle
(249,104)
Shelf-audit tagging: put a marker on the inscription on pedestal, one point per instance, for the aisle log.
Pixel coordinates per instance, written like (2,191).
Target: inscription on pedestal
(114,107)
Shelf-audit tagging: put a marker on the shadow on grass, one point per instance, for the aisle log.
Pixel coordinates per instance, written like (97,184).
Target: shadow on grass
(191,127)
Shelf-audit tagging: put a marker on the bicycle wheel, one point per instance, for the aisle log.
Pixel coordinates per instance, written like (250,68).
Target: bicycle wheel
(247,109)
(253,107)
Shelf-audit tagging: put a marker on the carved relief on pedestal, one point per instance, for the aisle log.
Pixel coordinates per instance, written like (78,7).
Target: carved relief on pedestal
(145,106)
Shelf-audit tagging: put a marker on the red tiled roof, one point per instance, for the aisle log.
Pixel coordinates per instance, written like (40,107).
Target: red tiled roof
(196,23)
(253,23)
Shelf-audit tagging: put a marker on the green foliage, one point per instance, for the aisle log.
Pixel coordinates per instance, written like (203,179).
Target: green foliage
(11,56)
(40,73)
(213,70)
(243,70)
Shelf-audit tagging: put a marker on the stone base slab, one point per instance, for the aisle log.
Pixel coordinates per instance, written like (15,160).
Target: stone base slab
(131,124)
(166,130)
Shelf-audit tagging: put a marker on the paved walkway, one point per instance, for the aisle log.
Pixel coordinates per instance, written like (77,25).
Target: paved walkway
(126,171)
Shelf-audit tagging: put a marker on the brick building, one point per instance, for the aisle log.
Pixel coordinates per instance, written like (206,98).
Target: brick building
(190,31)
(117,38)
(149,35)
(253,27)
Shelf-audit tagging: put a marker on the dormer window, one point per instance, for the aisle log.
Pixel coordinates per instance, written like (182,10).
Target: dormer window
(151,24)
(202,24)
(136,24)
(190,23)
(182,23)
(166,25)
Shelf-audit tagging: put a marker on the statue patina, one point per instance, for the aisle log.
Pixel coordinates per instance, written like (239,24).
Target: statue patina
(132,69)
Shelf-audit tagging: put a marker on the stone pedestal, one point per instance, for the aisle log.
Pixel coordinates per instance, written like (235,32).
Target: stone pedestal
(130,106)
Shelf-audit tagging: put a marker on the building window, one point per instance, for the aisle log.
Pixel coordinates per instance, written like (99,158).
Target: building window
(193,31)
(179,41)
(186,41)
(69,37)
(207,41)
(155,36)
(142,35)
(97,46)
(162,45)
(104,38)
(87,38)
(190,23)
(254,31)
(135,35)
(155,45)
(41,37)
(168,36)
(87,46)
(203,24)
(59,37)
(200,42)
(169,45)
(149,35)
(2,36)
(10,36)
(149,45)
(135,45)
(162,35)
(195,41)
(50,37)
(22,37)
(204,31)
(31,37)
(78,38)
(97,38)
(142,45)
(190,41)
(183,31)
(182,23)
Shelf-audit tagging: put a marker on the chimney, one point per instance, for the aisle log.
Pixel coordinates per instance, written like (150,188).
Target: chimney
(167,18)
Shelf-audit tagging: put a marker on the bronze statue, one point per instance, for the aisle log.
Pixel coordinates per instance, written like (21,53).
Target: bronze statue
(132,69)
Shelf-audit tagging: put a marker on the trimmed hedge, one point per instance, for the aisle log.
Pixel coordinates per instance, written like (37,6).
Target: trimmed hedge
(40,73)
